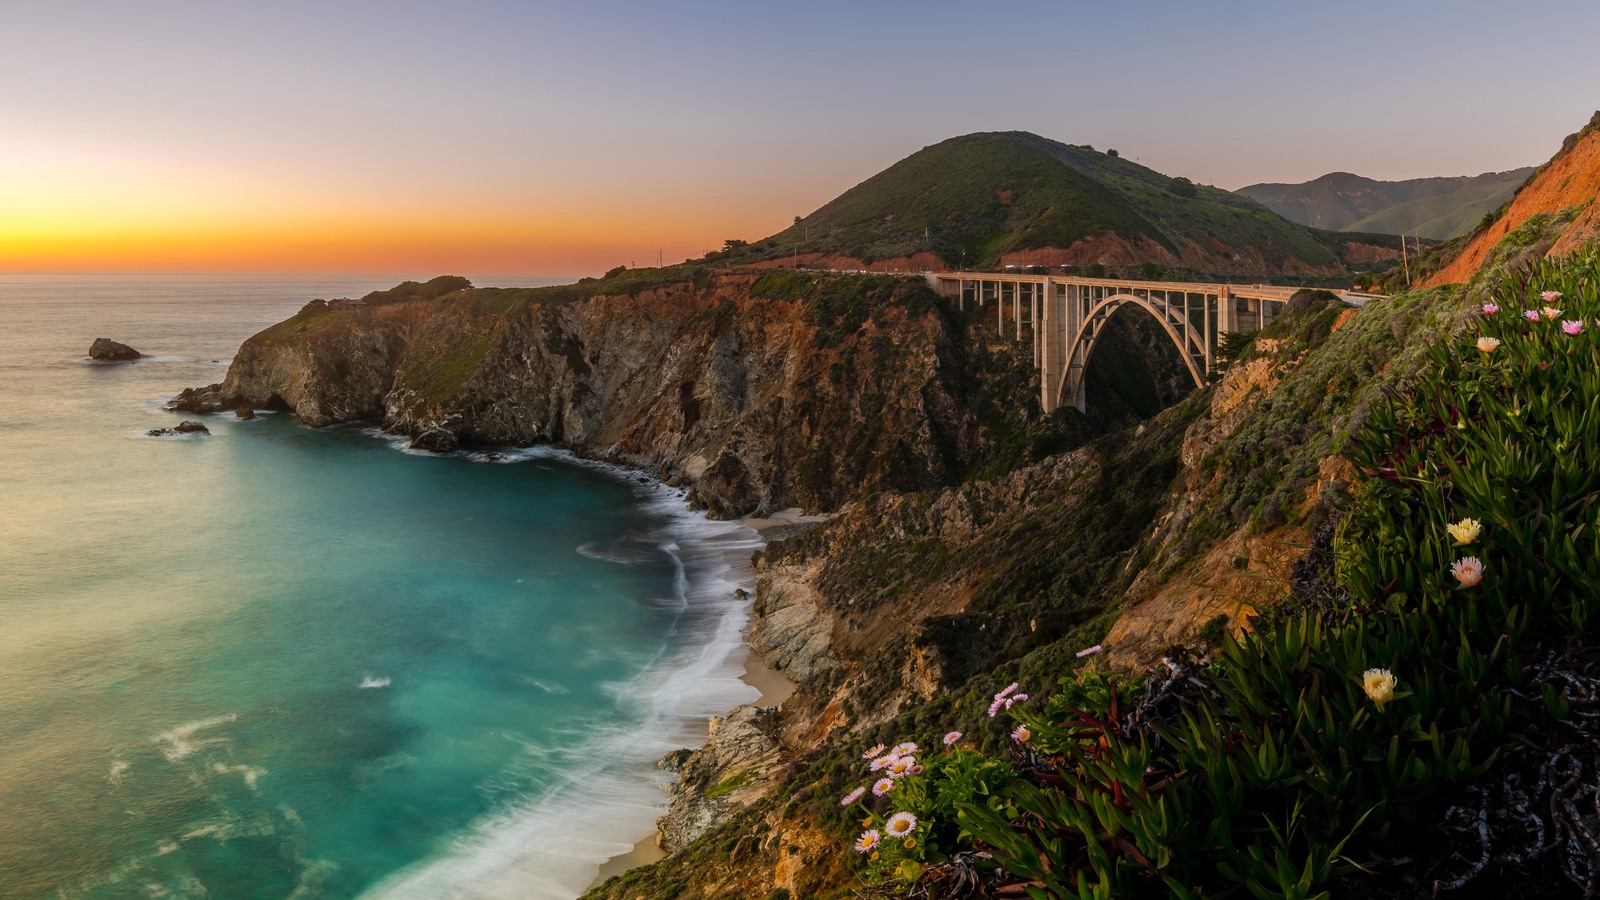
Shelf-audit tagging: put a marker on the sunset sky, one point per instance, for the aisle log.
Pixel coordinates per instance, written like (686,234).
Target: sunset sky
(563,138)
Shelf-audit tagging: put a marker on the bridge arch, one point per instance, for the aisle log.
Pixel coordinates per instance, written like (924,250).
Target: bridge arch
(1189,340)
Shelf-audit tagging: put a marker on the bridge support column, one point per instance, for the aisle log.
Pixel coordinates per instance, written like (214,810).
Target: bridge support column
(1047,339)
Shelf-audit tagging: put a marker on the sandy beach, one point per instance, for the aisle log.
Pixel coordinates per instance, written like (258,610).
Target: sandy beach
(775,687)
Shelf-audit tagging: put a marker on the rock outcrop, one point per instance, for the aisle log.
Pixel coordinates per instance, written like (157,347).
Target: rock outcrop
(736,767)
(754,401)
(184,427)
(107,350)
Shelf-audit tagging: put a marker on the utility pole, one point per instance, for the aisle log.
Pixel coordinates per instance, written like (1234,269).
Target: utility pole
(1406,259)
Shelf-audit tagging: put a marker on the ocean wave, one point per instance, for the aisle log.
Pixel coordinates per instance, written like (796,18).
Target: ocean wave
(369,683)
(182,741)
(608,798)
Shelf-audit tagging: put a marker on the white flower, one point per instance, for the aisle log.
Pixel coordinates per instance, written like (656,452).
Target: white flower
(882,786)
(868,840)
(852,797)
(1468,571)
(901,824)
(1021,735)
(1488,344)
(1379,685)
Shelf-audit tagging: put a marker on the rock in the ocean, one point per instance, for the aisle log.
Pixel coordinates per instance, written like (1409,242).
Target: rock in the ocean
(110,351)
(191,427)
(436,440)
(244,414)
(208,399)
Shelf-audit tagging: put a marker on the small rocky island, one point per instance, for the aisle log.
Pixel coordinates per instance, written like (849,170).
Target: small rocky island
(107,350)
(185,427)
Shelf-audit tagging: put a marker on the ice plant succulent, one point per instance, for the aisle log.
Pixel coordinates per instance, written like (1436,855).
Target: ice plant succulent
(1379,685)
(901,824)
(1468,570)
(1531,315)
(1549,296)
(1550,312)
(1465,531)
(852,797)
(1488,344)
(868,840)
(1490,309)
(1572,326)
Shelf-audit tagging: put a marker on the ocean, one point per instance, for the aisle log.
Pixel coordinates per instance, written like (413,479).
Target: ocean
(281,662)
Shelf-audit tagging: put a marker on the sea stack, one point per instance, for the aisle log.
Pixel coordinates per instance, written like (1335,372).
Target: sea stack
(107,350)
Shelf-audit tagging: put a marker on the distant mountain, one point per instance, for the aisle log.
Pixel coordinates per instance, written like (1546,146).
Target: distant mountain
(1554,214)
(1437,208)
(1002,198)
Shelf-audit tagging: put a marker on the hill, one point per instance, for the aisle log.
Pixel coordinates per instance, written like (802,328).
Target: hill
(1437,208)
(1552,214)
(1014,198)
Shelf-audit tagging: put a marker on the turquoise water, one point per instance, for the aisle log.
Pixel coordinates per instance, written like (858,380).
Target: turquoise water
(278,662)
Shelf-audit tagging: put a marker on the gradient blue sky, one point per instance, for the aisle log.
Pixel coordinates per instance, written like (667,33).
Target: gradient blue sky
(564,137)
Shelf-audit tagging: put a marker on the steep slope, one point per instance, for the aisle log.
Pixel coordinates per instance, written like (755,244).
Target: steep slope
(1016,198)
(1437,208)
(757,390)
(1566,187)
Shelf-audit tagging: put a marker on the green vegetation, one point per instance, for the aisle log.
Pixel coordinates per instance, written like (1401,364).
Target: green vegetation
(971,199)
(1436,208)
(1343,744)
(730,784)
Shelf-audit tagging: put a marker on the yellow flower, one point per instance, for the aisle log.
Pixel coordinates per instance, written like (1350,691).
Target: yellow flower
(1379,685)
(1465,531)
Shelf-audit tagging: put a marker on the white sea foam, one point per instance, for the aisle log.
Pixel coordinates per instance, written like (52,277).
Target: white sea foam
(183,740)
(369,682)
(551,847)
(118,767)
(249,773)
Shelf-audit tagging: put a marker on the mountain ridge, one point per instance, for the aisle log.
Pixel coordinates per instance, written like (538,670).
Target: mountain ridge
(1438,207)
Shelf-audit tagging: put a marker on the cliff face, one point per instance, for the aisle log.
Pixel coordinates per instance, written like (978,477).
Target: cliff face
(759,391)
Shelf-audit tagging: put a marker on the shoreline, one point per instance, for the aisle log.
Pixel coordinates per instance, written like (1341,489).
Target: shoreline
(773,686)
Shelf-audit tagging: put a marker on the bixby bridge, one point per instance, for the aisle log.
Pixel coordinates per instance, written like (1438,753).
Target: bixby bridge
(1065,315)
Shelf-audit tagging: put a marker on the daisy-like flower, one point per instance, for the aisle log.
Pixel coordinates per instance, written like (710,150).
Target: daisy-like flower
(852,797)
(876,749)
(905,749)
(901,767)
(1572,326)
(882,786)
(1549,296)
(1017,699)
(901,824)
(1549,312)
(883,761)
(1490,309)
(1021,735)
(995,707)
(868,840)
(1468,571)
(1531,315)
(1090,651)
(1488,344)
(1007,692)
(1465,531)
(951,738)
(1379,685)
(916,770)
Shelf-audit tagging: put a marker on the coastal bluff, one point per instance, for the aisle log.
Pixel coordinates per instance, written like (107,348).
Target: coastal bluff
(758,391)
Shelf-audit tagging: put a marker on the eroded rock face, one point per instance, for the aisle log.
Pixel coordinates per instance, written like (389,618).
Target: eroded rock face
(738,397)
(792,631)
(107,350)
(735,767)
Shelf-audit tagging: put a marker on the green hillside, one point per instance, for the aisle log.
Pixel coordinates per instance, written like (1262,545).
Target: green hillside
(971,199)
(1435,208)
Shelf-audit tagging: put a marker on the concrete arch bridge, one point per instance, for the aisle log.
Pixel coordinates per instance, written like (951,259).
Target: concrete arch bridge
(1065,315)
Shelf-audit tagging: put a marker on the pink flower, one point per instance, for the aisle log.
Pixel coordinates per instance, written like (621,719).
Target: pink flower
(916,770)
(1550,312)
(1021,735)
(852,797)
(876,749)
(905,749)
(868,840)
(1490,309)
(1531,315)
(901,767)
(1017,699)
(1007,692)
(882,761)
(901,824)
(1572,326)
(951,738)
(1090,652)
(882,786)
(1468,571)
(994,708)
(1549,296)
